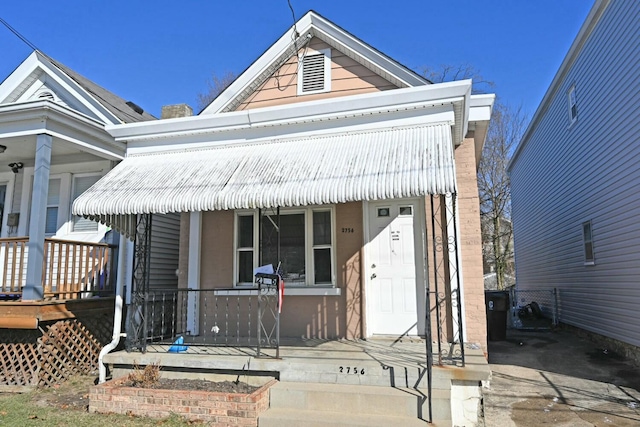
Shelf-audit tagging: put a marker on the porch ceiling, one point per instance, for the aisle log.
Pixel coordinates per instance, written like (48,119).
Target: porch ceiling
(313,170)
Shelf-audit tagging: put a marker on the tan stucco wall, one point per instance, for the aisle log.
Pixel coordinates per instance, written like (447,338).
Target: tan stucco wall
(471,243)
(302,316)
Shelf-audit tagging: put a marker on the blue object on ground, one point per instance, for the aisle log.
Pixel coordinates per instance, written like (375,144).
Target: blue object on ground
(178,346)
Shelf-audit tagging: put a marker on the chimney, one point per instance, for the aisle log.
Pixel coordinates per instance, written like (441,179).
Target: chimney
(176,110)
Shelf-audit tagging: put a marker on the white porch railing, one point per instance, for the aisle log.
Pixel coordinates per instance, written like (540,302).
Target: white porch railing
(71,269)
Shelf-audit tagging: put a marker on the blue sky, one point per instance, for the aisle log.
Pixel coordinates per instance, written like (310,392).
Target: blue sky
(162,52)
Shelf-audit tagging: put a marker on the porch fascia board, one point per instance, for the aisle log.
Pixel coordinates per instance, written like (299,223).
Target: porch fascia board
(28,314)
(46,117)
(370,105)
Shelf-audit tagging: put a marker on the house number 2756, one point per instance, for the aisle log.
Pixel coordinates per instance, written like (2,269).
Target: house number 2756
(351,370)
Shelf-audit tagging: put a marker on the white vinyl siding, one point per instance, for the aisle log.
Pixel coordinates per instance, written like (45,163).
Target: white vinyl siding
(591,170)
(80,185)
(165,238)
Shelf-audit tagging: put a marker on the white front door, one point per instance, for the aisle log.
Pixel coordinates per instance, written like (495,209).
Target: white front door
(395,282)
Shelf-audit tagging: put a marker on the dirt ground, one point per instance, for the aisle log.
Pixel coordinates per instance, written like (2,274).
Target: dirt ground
(559,379)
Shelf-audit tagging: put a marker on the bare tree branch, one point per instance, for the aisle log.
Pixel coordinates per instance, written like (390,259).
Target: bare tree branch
(505,130)
(215,86)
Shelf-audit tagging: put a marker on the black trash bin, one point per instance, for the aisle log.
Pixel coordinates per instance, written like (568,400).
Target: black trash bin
(497,306)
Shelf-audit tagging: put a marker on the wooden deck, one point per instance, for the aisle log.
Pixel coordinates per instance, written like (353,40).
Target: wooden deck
(29,314)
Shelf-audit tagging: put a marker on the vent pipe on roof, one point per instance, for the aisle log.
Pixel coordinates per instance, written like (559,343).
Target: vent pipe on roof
(135,107)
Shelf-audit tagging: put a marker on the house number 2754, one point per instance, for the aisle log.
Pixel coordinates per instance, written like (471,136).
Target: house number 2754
(351,370)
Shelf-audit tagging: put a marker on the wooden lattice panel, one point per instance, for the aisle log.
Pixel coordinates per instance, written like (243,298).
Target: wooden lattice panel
(71,347)
(18,358)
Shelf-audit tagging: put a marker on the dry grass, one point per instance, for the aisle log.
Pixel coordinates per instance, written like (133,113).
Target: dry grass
(146,377)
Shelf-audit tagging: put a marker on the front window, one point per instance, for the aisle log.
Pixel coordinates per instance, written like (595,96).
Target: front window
(299,241)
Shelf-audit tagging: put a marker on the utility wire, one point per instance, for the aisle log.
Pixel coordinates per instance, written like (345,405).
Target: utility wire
(293,15)
(17,34)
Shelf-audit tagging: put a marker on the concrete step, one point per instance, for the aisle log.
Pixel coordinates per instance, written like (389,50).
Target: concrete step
(358,400)
(281,417)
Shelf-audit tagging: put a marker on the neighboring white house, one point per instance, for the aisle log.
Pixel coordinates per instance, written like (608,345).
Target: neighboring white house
(575,178)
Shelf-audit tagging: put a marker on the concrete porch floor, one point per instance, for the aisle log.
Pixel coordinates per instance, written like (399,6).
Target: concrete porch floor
(380,362)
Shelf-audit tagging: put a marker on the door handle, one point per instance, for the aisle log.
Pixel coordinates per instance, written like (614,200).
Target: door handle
(373,276)
(373,266)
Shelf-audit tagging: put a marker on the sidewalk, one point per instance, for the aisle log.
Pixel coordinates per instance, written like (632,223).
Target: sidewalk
(559,379)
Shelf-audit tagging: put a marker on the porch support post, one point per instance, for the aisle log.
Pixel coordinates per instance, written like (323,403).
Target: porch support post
(33,289)
(455,266)
(193,275)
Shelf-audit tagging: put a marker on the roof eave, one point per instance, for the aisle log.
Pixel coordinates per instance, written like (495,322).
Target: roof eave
(429,95)
(315,25)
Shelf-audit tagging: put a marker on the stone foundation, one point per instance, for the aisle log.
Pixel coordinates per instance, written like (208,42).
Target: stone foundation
(223,409)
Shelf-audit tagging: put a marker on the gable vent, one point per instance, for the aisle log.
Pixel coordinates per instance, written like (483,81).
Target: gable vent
(47,96)
(315,72)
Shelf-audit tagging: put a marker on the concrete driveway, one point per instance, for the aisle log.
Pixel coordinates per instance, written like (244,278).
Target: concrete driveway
(559,379)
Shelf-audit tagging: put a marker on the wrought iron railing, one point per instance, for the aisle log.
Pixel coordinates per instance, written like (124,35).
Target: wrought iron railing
(211,317)
(71,269)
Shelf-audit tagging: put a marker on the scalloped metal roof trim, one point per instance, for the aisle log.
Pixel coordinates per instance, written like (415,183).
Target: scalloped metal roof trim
(314,170)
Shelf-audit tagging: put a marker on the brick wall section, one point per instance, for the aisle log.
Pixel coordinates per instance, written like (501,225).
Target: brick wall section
(223,409)
(471,243)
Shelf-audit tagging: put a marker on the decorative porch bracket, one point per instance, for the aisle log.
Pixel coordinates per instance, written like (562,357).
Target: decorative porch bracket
(269,303)
(137,315)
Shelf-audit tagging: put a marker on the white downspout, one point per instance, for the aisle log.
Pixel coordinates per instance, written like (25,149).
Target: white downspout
(117,315)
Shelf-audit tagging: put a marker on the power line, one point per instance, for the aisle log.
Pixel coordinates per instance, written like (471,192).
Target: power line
(295,29)
(17,34)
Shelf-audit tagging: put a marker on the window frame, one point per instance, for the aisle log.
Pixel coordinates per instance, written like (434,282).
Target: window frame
(52,205)
(572,101)
(588,241)
(309,248)
(326,87)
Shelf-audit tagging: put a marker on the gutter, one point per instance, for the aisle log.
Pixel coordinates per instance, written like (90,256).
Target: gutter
(117,314)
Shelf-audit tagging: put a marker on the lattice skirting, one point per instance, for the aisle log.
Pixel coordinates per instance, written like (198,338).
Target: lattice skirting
(52,354)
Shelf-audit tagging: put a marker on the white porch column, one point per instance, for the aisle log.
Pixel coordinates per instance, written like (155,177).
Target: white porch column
(33,289)
(193,275)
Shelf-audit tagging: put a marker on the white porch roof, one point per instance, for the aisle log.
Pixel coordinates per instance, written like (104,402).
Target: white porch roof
(313,170)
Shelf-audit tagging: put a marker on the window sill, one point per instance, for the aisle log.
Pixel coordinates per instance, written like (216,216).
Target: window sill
(589,263)
(288,291)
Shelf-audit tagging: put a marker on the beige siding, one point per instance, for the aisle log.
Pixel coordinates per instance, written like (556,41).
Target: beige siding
(347,78)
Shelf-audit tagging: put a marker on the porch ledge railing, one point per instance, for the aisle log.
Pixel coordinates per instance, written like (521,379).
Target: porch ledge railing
(207,317)
(71,269)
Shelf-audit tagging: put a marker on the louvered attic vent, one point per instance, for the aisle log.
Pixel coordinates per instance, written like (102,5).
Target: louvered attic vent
(315,73)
